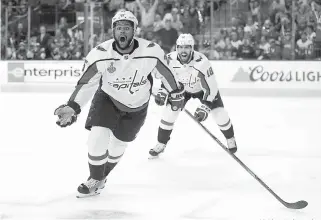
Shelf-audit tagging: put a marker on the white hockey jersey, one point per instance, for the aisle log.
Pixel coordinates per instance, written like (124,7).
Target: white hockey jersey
(126,78)
(196,76)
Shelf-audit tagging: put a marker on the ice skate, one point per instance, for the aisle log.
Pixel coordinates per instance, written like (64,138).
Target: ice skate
(158,149)
(91,187)
(231,145)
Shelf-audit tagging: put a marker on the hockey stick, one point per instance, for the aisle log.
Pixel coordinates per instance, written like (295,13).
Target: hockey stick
(295,205)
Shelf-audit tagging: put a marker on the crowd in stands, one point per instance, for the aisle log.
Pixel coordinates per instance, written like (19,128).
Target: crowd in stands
(263,30)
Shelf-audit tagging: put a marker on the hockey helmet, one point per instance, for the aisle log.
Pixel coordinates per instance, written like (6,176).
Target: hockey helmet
(124,15)
(185,39)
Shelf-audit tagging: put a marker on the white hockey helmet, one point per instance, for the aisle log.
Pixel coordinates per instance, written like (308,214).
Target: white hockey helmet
(185,39)
(124,15)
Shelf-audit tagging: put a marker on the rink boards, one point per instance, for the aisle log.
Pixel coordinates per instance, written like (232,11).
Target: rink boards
(245,78)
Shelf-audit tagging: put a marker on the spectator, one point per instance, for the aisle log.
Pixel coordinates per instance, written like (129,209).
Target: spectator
(304,47)
(264,45)
(235,41)
(255,10)
(302,14)
(234,54)
(176,23)
(168,34)
(158,23)
(310,33)
(63,25)
(228,44)
(43,39)
(21,52)
(206,50)
(240,32)
(219,42)
(282,23)
(265,9)
(147,13)
(275,50)
(20,34)
(278,5)
(150,35)
(259,53)
(190,20)
(250,27)
(246,50)
(268,30)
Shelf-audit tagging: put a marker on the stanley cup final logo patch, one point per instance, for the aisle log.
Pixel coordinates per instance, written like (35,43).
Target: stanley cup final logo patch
(111,68)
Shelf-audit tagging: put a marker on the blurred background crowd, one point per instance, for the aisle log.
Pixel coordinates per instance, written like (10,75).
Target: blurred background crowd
(223,29)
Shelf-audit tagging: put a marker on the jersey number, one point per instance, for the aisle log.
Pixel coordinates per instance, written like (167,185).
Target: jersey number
(210,72)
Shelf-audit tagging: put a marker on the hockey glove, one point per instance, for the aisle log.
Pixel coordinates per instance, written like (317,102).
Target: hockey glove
(176,98)
(67,114)
(202,112)
(160,97)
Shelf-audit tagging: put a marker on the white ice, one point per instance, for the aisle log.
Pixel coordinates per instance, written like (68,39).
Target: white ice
(41,165)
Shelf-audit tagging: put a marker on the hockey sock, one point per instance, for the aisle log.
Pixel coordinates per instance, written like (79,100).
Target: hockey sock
(97,171)
(109,167)
(163,135)
(229,133)
(223,121)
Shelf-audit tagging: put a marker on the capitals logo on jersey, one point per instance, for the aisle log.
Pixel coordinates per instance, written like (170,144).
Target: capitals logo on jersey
(130,83)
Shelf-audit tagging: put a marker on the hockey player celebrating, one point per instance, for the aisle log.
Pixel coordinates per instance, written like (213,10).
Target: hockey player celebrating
(118,71)
(195,72)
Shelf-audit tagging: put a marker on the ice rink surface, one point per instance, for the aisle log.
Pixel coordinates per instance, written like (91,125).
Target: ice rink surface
(278,138)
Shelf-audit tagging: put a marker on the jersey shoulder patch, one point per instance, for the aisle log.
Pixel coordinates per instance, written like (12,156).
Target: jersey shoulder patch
(100,48)
(151,44)
(199,59)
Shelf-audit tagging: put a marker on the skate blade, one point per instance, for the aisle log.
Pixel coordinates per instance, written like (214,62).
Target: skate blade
(153,157)
(232,150)
(96,193)
(80,196)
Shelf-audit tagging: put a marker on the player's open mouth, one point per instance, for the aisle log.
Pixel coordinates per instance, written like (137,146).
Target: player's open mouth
(184,54)
(122,39)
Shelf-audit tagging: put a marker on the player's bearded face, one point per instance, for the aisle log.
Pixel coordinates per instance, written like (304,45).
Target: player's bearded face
(185,52)
(123,34)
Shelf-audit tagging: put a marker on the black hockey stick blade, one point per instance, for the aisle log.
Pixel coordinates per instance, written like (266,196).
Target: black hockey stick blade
(296,205)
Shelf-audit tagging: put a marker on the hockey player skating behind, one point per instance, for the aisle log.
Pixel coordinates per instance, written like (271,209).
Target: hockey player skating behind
(118,72)
(195,72)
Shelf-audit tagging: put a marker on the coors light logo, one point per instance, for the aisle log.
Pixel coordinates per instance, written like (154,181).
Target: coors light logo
(259,74)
